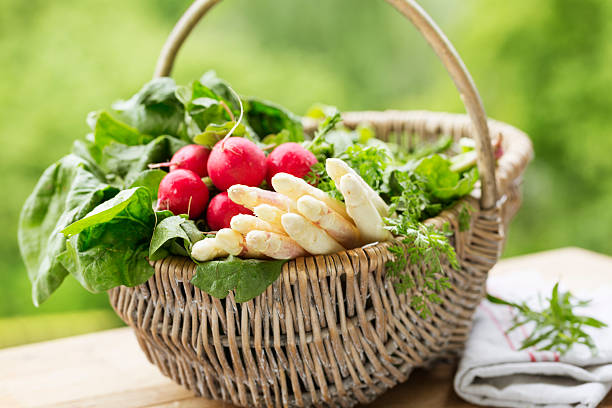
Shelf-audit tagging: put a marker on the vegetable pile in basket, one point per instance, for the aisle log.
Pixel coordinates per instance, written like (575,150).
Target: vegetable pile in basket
(235,184)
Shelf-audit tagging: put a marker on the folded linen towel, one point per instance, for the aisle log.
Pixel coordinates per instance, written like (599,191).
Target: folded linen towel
(494,372)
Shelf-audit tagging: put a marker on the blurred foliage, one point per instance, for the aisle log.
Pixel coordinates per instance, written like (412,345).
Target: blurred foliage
(544,69)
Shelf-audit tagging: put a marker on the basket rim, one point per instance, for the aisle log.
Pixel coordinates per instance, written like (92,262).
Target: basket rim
(518,152)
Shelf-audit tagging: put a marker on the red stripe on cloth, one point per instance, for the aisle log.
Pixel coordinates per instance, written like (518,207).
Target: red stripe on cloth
(498,325)
(525,335)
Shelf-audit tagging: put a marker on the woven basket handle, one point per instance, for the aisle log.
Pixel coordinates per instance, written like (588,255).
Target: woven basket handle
(436,39)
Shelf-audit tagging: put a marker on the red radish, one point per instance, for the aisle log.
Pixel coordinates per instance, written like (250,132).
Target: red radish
(236,160)
(221,210)
(290,158)
(182,192)
(191,157)
(498,148)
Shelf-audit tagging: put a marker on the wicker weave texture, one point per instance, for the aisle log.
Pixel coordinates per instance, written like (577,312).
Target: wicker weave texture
(331,331)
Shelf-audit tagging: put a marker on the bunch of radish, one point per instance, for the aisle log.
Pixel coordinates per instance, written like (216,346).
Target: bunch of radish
(293,220)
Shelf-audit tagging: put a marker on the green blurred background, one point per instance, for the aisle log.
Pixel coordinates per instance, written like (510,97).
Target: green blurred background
(545,68)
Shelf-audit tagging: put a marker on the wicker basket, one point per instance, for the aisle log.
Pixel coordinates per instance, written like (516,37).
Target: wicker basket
(331,330)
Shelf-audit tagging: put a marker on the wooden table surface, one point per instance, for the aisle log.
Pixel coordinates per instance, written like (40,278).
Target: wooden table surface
(107,369)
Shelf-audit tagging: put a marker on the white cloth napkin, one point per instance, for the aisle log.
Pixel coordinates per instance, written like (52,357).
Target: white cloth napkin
(494,372)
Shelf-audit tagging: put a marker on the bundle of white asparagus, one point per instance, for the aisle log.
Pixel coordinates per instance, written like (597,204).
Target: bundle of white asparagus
(298,219)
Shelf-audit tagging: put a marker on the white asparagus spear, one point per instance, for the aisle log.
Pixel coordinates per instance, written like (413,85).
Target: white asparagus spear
(234,244)
(251,197)
(274,245)
(243,223)
(270,214)
(337,168)
(294,188)
(310,237)
(338,227)
(362,210)
(207,249)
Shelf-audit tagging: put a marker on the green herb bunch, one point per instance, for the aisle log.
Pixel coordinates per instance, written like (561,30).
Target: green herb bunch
(556,326)
(417,185)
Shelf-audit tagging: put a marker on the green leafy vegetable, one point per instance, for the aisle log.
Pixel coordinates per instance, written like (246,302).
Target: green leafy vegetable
(220,88)
(443,183)
(440,145)
(108,247)
(465,217)
(149,179)
(266,118)
(248,277)
(154,110)
(318,146)
(123,164)
(108,129)
(556,326)
(173,235)
(66,192)
(203,107)
(215,132)
(422,245)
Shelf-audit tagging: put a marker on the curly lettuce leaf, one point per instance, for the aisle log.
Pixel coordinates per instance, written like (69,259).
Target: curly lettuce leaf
(443,183)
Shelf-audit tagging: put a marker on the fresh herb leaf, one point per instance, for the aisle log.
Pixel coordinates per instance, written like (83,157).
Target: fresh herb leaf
(318,177)
(247,277)
(324,128)
(426,246)
(370,162)
(465,217)
(556,326)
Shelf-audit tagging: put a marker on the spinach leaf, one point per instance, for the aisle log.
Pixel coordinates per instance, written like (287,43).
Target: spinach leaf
(149,179)
(173,235)
(443,183)
(154,110)
(109,246)
(215,132)
(203,107)
(248,277)
(266,118)
(221,89)
(108,129)
(66,192)
(126,163)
